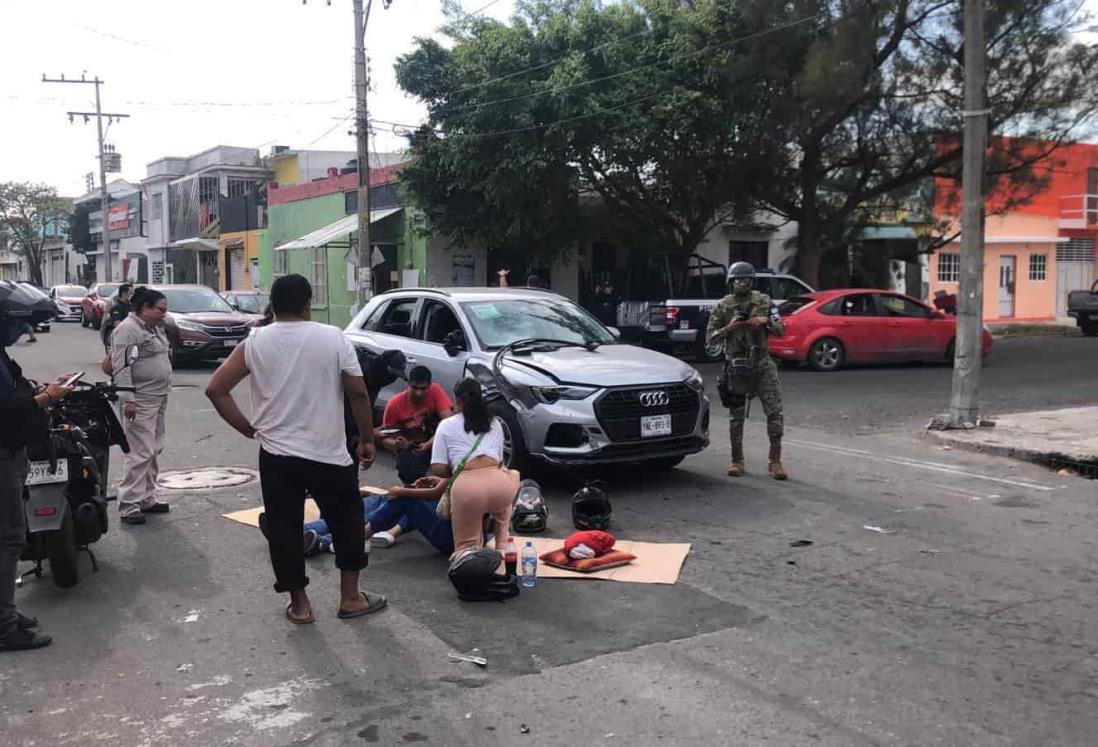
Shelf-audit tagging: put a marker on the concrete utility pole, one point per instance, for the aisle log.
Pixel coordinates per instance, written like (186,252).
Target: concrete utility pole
(365,282)
(104,196)
(964,401)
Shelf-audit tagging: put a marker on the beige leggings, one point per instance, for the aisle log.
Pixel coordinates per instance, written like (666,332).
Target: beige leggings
(479,492)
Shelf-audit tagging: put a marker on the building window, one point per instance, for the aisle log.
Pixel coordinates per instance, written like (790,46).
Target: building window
(1038,267)
(949,267)
(240,187)
(278,262)
(319,277)
(156,206)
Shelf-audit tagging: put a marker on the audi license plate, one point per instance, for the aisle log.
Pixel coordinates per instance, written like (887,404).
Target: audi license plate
(40,473)
(655,425)
(231,343)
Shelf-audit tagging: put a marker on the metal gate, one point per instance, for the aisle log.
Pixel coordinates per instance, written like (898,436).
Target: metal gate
(235,281)
(1074,270)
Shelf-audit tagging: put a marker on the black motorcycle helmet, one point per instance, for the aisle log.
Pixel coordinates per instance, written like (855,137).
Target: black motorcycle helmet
(740,271)
(530,512)
(591,508)
(473,574)
(22,304)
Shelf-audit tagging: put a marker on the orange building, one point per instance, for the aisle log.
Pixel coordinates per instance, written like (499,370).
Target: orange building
(1034,254)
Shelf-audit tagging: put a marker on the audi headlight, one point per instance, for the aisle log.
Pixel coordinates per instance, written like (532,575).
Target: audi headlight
(696,382)
(551,394)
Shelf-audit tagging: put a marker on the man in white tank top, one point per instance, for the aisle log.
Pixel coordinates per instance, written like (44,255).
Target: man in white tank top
(299,372)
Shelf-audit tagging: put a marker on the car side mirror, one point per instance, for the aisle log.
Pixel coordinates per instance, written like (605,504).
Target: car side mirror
(615,332)
(454,343)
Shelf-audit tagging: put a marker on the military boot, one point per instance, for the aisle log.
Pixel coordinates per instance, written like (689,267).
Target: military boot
(777,471)
(736,469)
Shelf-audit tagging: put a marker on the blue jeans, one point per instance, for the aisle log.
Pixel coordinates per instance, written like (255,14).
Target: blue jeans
(383,512)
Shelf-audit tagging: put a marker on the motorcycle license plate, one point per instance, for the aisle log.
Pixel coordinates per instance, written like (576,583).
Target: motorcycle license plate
(231,343)
(40,473)
(655,425)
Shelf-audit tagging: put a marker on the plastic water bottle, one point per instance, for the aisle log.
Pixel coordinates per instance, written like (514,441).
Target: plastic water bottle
(529,565)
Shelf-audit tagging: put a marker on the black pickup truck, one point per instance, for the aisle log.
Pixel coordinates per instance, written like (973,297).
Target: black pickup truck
(1083,308)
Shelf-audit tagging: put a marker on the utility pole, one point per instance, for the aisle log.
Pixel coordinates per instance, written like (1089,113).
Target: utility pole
(364,282)
(964,401)
(365,278)
(104,196)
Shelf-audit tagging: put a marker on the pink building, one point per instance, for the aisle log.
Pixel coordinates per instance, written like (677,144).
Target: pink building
(1034,255)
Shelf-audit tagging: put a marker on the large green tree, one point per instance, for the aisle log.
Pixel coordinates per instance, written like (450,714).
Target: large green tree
(32,214)
(680,116)
(870,99)
(649,105)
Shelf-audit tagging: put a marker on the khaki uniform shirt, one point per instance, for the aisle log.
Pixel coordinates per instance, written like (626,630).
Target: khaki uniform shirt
(151,373)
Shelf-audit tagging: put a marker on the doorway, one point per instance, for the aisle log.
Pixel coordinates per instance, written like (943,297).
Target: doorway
(1006,286)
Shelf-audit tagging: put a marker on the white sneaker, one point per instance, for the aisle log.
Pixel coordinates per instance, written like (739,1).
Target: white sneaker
(382,539)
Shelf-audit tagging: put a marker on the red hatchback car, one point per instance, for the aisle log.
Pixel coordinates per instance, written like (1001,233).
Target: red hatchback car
(828,329)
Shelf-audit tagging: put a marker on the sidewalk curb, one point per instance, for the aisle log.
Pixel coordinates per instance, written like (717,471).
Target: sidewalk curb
(1053,460)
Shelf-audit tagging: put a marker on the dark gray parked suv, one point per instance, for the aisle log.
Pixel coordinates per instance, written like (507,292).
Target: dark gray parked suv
(565,389)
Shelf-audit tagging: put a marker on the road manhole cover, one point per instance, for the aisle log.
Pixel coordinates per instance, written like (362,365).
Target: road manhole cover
(207,478)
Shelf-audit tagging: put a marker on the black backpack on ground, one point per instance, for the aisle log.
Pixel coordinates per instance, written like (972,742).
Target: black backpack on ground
(473,574)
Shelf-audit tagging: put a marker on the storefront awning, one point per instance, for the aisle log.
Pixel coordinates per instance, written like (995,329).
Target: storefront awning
(234,243)
(333,231)
(196,242)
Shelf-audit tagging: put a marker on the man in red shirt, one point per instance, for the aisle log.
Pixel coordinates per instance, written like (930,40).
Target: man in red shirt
(416,410)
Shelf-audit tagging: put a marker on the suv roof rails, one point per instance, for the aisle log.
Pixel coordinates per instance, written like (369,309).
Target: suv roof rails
(415,288)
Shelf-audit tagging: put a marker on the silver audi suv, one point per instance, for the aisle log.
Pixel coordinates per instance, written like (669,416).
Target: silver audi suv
(567,391)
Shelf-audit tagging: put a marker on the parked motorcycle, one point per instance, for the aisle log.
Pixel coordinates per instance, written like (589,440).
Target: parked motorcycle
(65,496)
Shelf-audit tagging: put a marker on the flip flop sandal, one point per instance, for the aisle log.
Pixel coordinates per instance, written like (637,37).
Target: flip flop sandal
(298,620)
(374,602)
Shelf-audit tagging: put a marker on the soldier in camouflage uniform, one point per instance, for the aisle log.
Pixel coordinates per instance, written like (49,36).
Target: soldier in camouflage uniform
(742,321)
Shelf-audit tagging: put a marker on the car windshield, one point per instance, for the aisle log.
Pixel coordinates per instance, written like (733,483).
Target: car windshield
(107,289)
(253,303)
(195,301)
(71,290)
(501,322)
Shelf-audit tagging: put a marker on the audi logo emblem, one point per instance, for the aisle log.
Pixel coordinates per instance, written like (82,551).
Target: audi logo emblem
(654,399)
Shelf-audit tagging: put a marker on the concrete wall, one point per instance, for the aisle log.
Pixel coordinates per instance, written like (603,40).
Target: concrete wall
(441,272)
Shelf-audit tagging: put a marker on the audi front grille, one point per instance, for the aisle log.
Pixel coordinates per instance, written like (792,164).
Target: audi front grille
(619,411)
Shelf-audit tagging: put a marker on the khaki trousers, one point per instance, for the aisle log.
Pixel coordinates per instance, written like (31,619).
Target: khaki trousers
(146,437)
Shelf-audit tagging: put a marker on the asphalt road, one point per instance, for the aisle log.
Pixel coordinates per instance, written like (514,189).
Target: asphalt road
(1026,373)
(965,617)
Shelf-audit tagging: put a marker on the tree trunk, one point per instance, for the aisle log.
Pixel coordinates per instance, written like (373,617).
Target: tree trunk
(807,262)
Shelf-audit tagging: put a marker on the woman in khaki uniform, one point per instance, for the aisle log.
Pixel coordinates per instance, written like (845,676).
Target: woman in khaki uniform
(149,372)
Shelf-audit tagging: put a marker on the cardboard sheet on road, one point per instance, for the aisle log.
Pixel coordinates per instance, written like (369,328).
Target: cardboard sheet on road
(656,563)
(250,516)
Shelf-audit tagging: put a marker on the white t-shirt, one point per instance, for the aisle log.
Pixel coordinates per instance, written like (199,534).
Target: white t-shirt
(452,442)
(297,389)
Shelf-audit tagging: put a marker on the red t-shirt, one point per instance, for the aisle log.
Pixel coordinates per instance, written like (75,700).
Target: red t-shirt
(401,413)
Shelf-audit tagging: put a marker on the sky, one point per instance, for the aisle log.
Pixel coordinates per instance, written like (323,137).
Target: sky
(195,74)
(191,75)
